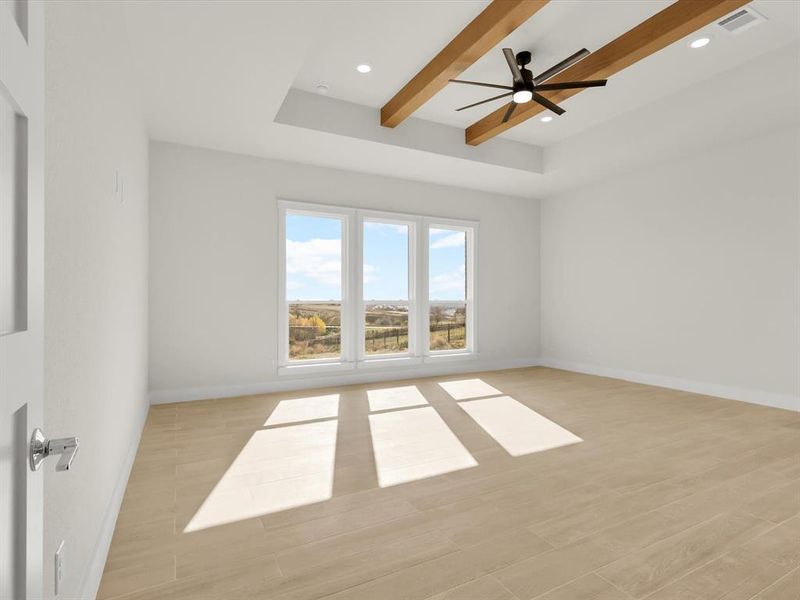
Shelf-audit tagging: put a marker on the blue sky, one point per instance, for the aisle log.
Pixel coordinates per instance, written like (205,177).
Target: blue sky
(313,260)
(447,269)
(385,261)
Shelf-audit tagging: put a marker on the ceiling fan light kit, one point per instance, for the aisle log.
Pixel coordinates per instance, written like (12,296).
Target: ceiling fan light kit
(525,87)
(681,18)
(522,96)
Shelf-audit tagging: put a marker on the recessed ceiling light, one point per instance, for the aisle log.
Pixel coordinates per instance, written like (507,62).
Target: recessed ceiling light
(546,119)
(323,88)
(363,68)
(699,42)
(522,96)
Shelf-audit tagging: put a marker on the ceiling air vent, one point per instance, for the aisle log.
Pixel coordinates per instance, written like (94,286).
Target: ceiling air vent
(742,19)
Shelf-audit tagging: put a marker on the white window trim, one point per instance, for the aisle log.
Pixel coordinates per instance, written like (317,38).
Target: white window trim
(470,228)
(413,224)
(353,352)
(346,357)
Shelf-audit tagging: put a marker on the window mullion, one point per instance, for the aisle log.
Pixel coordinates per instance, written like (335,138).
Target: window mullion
(354,286)
(283,305)
(422,313)
(412,289)
(470,295)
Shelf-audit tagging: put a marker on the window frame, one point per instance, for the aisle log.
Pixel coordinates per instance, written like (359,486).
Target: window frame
(470,302)
(286,208)
(353,351)
(367,216)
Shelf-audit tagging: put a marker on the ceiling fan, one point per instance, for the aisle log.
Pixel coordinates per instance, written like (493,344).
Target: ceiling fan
(525,87)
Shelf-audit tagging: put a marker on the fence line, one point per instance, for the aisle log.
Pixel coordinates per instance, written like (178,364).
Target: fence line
(455,331)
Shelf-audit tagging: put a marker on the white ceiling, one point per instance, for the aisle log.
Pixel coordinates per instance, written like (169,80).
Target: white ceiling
(215,73)
(555,32)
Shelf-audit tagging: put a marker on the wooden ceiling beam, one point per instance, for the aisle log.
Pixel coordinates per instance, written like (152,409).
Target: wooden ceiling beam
(485,31)
(659,31)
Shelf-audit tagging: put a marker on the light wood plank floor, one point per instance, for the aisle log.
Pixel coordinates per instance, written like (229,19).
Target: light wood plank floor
(670,495)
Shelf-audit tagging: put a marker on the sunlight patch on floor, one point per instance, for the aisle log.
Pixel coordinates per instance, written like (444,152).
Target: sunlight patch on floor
(278,469)
(415,444)
(399,397)
(516,427)
(467,389)
(312,408)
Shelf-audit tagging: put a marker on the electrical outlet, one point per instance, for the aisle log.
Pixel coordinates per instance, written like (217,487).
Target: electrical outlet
(59,568)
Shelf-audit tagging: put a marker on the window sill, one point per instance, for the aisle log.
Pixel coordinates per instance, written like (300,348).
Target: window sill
(382,362)
(389,361)
(451,357)
(316,367)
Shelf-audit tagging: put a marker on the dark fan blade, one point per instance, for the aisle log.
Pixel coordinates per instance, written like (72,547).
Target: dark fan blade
(510,110)
(547,104)
(491,85)
(569,85)
(512,64)
(567,62)
(485,101)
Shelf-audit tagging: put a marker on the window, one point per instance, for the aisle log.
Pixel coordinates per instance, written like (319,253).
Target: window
(385,283)
(447,288)
(314,284)
(364,288)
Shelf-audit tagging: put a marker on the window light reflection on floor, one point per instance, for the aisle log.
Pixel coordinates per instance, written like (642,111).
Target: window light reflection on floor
(278,469)
(516,427)
(398,397)
(467,389)
(291,462)
(295,410)
(415,444)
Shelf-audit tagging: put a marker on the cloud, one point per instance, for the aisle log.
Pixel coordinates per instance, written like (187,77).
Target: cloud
(454,240)
(386,227)
(448,282)
(369,273)
(320,261)
(317,259)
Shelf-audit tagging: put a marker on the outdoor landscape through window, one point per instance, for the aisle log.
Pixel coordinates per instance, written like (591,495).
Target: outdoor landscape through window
(314,286)
(447,289)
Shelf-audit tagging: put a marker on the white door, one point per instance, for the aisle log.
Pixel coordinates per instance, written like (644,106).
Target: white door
(21,293)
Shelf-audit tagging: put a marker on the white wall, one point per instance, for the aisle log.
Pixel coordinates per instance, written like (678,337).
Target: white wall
(684,274)
(96,283)
(213,265)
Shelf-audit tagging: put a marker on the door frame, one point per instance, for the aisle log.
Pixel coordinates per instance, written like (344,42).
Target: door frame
(22,347)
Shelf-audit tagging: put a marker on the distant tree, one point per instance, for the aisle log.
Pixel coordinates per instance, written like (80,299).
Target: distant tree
(437,314)
(318,324)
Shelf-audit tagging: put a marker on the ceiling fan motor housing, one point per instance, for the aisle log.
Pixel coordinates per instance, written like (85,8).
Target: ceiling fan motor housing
(526,83)
(524,58)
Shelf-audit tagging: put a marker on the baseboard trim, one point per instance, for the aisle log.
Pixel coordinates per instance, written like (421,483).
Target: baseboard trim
(90,583)
(784,401)
(349,378)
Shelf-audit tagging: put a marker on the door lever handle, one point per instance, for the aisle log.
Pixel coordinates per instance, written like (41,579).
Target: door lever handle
(66,447)
(41,448)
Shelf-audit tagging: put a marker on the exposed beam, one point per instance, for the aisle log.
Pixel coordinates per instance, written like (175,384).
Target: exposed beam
(485,31)
(659,31)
